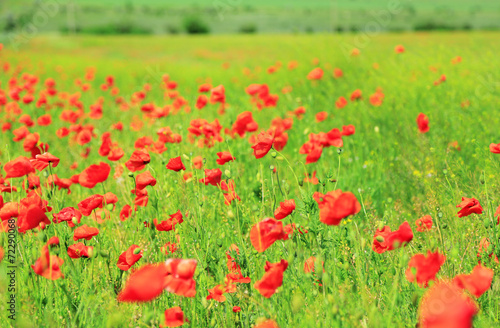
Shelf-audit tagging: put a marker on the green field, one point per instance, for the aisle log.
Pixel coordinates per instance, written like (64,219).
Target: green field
(396,173)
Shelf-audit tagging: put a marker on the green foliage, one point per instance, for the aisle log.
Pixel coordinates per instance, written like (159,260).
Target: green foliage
(195,25)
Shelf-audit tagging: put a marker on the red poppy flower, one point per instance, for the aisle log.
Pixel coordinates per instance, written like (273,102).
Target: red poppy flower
(469,206)
(285,209)
(224,157)
(476,283)
(336,205)
(48,266)
(42,161)
(387,240)
(32,213)
(94,174)
(18,167)
(144,179)
(423,123)
(212,177)
(89,204)
(85,232)
(321,116)
(444,305)
(144,284)
(272,279)
(126,212)
(138,160)
(217,293)
(175,164)
(174,317)
(315,74)
(341,102)
(201,101)
(244,123)
(80,250)
(495,148)
(426,267)
(265,233)
(170,223)
(484,246)
(267,324)
(399,49)
(263,145)
(348,130)
(236,309)
(218,95)
(67,214)
(53,241)
(129,258)
(179,278)
(424,223)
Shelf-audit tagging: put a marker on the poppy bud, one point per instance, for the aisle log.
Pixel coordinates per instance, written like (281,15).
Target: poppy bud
(339,151)
(271,167)
(91,252)
(104,253)
(380,239)
(230,214)
(445,171)
(110,207)
(219,242)
(227,173)
(440,214)
(74,220)
(444,226)
(131,175)
(274,154)
(185,156)
(137,251)
(486,222)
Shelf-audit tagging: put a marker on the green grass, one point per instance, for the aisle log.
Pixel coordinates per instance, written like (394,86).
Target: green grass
(397,173)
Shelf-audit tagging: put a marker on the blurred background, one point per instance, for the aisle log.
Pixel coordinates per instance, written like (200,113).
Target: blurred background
(111,17)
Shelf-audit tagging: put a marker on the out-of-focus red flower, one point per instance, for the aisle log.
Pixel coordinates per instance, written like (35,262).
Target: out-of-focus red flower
(315,74)
(424,223)
(174,317)
(272,279)
(445,305)
(48,266)
(336,205)
(144,284)
(426,267)
(179,278)
(476,283)
(217,293)
(423,123)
